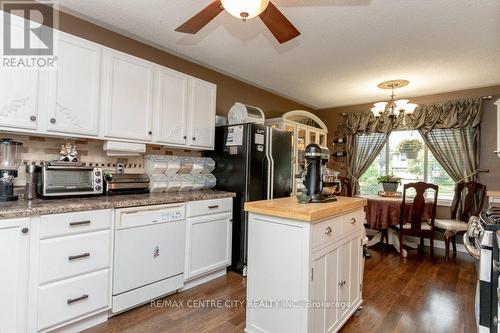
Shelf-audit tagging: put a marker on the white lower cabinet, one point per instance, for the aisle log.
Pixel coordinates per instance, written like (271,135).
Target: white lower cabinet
(14,263)
(311,271)
(335,282)
(73,269)
(208,237)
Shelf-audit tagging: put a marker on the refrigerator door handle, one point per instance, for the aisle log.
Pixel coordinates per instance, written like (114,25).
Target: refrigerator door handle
(268,165)
(271,166)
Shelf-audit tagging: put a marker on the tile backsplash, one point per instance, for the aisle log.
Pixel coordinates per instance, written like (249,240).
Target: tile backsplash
(39,150)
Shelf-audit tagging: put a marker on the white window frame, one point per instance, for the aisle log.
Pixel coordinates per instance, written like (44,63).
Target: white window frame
(441,202)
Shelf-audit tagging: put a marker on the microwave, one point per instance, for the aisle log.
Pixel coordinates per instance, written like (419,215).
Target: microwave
(58,181)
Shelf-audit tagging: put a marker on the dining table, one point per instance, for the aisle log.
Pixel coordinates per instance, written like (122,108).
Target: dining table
(383,212)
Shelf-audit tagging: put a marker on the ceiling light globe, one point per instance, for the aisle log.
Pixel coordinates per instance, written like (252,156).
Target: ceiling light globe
(375,111)
(380,106)
(401,104)
(245,9)
(410,108)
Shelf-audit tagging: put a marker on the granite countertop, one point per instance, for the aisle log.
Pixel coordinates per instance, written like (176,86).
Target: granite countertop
(290,208)
(25,208)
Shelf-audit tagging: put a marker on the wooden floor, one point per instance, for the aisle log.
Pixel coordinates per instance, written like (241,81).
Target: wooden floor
(413,296)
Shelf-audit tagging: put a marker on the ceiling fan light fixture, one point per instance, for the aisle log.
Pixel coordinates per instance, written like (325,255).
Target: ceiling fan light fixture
(245,9)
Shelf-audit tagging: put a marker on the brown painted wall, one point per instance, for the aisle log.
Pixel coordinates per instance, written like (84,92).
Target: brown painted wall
(333,118)
(229,90)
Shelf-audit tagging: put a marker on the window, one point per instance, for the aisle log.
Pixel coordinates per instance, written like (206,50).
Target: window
(405,155)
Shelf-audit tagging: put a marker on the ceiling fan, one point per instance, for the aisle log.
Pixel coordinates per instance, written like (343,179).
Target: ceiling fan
(275,21)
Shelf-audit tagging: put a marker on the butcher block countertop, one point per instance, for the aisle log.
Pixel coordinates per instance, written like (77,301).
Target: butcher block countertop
(24,208)
(493,193)
(290,208)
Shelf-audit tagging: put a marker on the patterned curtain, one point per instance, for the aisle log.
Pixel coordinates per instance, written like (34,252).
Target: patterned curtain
(366,137)
(451,131)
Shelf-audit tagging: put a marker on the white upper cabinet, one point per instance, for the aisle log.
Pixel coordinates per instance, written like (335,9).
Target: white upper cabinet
(19,89)
(202,114)
(74,87)
(129,97)
(171,107)
(19,99)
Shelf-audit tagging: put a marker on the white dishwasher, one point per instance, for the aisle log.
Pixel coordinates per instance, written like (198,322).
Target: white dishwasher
(149,252)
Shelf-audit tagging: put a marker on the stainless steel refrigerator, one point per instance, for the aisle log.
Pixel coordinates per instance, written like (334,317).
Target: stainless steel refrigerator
(255,162)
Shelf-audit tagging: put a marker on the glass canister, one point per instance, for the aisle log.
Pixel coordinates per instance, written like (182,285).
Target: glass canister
(30,190)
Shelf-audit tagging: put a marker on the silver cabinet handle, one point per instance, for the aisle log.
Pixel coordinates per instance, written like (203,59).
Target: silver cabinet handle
(213,207)
(81,298)
(79,256)
(79,223)
(52,120)
(342,283)
(328,230)
(25,230)
(33,118)
(353,221)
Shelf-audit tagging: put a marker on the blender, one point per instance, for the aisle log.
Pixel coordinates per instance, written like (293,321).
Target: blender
(10,160)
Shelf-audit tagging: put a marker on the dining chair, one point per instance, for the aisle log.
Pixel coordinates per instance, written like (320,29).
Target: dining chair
(468,199)
(346,187)
(412,221)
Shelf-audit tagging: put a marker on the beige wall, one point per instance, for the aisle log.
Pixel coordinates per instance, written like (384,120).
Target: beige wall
(229,90)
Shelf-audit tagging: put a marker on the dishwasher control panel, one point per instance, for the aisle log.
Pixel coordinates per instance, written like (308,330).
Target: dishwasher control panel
(142,216)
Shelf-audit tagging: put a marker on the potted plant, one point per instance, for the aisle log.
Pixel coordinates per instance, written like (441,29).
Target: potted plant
(389,183)
(410,148)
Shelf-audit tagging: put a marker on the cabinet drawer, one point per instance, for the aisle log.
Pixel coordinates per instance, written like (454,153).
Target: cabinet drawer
(74,223)
(327,231)
(68,299)
(204,207)
(64,257)
(353,221)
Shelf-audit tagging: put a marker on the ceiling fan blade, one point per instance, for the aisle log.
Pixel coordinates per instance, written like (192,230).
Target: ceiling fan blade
(279,25)
(195,23)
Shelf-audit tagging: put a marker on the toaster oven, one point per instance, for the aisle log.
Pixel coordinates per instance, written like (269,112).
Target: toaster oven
(58,181)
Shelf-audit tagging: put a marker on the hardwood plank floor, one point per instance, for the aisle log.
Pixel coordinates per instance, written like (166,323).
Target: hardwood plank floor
(413,296)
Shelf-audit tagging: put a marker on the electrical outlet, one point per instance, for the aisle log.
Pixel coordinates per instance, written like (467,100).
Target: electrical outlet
(120,167)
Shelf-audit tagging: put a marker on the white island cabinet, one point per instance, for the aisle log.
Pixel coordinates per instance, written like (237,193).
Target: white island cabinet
(305,265)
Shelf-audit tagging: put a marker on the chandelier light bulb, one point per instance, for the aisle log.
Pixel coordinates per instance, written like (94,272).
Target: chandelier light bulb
(245,9)
(401,104)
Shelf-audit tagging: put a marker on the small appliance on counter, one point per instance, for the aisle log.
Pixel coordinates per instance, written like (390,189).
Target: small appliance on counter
(60,179)
(10,160)
(126,183)
(316,159)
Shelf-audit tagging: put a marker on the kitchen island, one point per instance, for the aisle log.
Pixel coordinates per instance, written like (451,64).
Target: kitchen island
(305,264)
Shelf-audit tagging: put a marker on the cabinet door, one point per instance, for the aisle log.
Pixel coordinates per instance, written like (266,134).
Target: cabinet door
(129,97)
(172,107)
(19,89)
(344,271)
(14,260)
(74,87)
(202,113)
(325,289)
(356,269)
(208,244)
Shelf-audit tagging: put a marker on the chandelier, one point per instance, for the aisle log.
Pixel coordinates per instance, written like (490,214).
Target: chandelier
(394,106)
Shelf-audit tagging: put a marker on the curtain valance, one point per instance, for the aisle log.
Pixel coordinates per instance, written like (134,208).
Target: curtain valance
(447,115)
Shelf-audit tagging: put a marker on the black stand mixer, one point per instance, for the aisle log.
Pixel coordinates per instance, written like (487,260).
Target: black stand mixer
(10,160)
(316,158)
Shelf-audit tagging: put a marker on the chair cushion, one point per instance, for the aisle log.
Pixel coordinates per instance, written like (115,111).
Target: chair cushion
(424,226)
(451,225)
